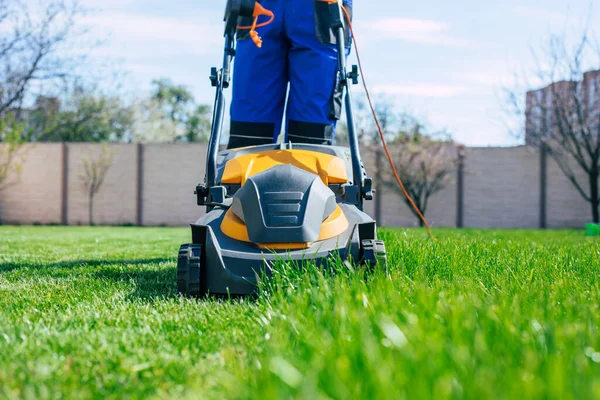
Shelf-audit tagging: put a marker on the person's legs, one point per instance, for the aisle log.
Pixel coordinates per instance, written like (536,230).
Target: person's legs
(315,101)
(260,82)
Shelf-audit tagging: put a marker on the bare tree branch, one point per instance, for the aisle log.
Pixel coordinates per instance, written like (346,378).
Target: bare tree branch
(564,117)
(424,163)
(32,46)
(95,170)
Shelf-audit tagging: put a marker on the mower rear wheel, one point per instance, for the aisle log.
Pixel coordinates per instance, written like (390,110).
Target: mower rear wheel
(189,267)
(373,254)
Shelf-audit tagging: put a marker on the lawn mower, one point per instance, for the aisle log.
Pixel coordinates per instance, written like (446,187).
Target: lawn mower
(284,202)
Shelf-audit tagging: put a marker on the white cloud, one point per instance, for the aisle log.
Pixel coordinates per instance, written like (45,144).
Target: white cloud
(147,69)
(105,4)
(416,30)
(540,13)
(151,35)
(489,79)
(421,90)
(480,78)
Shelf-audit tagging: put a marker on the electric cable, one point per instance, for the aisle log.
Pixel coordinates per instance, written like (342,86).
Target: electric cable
(380,129)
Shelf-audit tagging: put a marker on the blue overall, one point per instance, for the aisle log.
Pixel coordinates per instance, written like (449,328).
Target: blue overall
(298,49)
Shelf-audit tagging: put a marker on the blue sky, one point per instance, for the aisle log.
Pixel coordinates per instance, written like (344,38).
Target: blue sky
(445,61)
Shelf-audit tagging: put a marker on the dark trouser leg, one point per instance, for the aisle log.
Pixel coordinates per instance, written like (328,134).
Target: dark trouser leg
(310,133)
(245,134)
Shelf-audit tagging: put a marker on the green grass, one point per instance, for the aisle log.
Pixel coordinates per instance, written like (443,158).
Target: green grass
(482,314)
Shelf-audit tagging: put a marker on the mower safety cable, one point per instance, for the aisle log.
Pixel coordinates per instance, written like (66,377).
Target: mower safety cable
(380,129)
(258,11)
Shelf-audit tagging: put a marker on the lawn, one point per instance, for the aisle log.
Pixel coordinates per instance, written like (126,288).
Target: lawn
(93,313)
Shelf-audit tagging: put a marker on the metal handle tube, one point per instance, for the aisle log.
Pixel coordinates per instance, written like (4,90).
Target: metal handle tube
(215,138)
(357,164)
(223,81)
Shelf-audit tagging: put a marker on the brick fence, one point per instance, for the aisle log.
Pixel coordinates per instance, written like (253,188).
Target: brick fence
(153,185)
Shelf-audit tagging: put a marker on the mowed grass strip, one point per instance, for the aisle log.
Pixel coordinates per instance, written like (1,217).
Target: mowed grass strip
(93,313)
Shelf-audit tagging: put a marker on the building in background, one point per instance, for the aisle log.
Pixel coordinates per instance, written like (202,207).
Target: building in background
(545,106)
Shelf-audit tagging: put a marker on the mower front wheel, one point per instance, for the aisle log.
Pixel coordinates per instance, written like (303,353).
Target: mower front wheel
(189,271)
(373,254)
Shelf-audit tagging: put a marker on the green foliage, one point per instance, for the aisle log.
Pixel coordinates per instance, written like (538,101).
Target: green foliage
(177,104)
(175,99)
(198,125)
(84,117)
(412,131)
(93,312)
(11,134)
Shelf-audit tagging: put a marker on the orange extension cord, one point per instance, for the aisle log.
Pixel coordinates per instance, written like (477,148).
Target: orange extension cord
(259,10)
(381,135)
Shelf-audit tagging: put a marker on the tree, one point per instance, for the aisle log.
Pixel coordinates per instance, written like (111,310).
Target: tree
(151,126)
(171,114)
(94,173)
(33,40)
(563,119)
(424,162)
(82,117)
(368,134)
(175,100)
(198,124)
(11,132)
(389,119)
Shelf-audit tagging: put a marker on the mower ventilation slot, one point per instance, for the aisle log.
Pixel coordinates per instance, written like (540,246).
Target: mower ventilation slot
(283,208)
